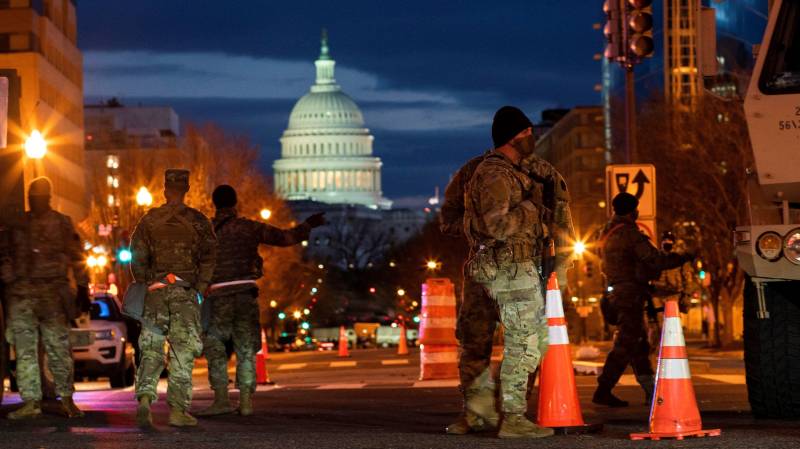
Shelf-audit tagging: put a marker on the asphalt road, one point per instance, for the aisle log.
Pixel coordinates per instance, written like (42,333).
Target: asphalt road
(374,400)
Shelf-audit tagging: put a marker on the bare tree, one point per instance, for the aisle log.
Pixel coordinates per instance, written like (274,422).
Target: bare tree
(701,157)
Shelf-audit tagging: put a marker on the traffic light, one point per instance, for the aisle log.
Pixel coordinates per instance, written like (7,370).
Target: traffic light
(639,14)
(124,255)
(613,30)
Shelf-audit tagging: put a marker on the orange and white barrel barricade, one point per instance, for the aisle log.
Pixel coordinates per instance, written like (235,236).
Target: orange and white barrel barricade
(674,412)
(559,406)
(438,357)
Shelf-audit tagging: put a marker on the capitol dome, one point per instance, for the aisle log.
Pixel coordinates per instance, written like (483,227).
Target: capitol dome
(326,151)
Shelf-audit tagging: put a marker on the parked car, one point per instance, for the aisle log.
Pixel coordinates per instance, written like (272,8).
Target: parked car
(102,347)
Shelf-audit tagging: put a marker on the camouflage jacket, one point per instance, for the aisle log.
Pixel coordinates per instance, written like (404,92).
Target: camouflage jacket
(237,244)
(627,254)
(46,247)
(451,216)
(174,239)
(500,206)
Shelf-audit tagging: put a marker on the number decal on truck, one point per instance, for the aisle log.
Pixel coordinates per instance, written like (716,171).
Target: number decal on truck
(785,125)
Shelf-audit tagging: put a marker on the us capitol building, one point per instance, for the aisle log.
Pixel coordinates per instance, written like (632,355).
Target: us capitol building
(327,166)
(326,150)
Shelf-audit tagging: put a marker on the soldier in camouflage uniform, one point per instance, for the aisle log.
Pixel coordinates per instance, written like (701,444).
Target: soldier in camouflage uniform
(629,260)
(504,224)
(233,297)
(45,246)
(173,249)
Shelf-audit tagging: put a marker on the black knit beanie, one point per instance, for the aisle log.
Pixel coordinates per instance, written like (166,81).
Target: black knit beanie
(624,203)
(224,196)
(508,122)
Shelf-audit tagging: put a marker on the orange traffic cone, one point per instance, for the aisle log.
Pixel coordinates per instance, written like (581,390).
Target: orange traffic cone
(343,352)
(402,346)
(559,406)
(674,413)
(262,374)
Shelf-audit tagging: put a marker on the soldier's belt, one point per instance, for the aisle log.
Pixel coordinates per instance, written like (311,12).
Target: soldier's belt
(514,252)
(219,285)
(169,279)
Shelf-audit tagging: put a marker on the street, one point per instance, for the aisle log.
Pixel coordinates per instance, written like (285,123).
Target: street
(374,399)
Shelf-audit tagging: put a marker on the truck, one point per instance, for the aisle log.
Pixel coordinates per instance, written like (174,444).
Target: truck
(768,246)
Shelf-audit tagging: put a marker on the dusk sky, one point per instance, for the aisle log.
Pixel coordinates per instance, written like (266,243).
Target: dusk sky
(428,75)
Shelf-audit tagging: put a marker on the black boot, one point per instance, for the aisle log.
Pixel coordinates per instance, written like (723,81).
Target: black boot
(648,384)
(603,396)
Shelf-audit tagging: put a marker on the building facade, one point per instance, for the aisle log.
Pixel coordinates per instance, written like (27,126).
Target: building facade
(326,151)
(40,58)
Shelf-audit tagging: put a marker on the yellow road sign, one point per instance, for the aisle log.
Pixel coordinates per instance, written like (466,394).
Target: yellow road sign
(637,179)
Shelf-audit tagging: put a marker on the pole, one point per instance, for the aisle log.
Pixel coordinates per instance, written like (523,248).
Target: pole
(630,115)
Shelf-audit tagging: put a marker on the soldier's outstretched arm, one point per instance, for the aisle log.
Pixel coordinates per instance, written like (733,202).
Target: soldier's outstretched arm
(207,254)
(648,254)
(494,198)
(270,235)
(140,252)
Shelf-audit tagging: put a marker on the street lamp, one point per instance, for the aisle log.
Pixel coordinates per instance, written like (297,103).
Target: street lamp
(401,292)
(35,145)
(432,265)
(143,197)
(579,248)
(265,214)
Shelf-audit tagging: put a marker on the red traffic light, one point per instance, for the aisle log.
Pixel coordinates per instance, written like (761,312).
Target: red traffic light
(642,46)
(640,22)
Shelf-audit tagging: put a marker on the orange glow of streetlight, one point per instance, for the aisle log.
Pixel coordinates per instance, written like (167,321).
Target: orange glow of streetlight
(432,264)
(35,145)
(265,214)
(143,197)
(579,248)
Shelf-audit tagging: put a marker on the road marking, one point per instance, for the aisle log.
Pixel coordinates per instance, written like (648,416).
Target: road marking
(395,362)
(288,366)
(341,386)
(733,379)
(448,383)
(349,364)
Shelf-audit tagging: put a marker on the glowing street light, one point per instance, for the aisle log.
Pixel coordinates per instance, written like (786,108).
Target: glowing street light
(432,265)
(273,303)
(35,145)
(265,214)
(306,312)
(297,314)
(143,197)
(401,292)
(579,248)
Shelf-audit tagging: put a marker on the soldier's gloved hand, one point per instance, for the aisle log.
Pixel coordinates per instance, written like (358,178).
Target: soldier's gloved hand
(316,220)
(82,298)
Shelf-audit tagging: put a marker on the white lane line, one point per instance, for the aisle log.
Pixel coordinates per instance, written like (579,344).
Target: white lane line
(288,366)
(341,386)
(349,364)
(733,379)
(446,383)
(395,362)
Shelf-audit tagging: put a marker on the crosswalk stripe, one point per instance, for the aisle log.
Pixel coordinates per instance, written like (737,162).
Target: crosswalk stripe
(341,386)
(288,366)
(346,364)
(395,362)
(449,383)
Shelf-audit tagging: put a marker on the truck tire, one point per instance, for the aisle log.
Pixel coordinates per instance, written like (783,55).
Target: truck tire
(772,350)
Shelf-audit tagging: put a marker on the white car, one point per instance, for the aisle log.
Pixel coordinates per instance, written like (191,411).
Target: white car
(101,347)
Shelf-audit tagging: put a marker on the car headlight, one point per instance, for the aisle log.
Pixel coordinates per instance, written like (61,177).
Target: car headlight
(105,334)
(769,245)
(791,246)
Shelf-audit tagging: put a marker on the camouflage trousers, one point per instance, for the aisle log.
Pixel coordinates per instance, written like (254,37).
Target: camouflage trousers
(475,327)
(517,295)
(173,315)
(36,309)
(233,317)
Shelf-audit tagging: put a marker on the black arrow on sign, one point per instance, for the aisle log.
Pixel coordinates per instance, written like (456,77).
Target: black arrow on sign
(640,180)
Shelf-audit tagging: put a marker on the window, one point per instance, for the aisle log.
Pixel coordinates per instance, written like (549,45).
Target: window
(781,71)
